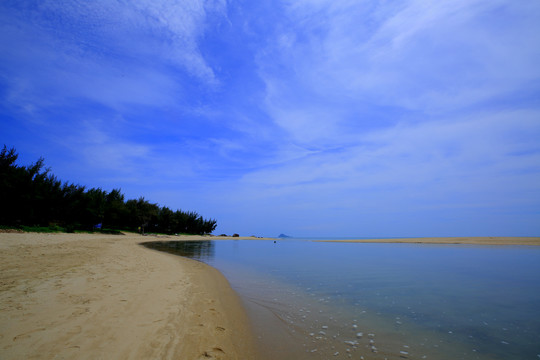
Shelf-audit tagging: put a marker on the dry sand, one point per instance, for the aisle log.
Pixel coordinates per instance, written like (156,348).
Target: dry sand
(83,296)
(454,240)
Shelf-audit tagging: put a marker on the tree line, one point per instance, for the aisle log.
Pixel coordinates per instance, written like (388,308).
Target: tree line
(33,196)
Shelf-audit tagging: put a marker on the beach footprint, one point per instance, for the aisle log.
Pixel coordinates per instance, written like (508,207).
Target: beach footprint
(27,334)
(215,353)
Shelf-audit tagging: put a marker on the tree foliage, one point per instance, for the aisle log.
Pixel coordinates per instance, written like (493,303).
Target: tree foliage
(32,196)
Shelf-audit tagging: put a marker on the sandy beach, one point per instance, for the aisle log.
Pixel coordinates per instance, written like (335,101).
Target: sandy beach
(84,296)
(90,296)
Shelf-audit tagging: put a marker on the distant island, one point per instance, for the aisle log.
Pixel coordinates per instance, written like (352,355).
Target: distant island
(282,236)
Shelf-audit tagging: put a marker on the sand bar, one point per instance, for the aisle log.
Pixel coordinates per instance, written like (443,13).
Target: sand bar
(84,296)
(532,241)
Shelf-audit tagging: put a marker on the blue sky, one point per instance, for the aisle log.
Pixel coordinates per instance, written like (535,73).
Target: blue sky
(311,118)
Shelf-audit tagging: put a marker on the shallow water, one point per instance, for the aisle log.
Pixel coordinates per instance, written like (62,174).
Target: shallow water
(318,300)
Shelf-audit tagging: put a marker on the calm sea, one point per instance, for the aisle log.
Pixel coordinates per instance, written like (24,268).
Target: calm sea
(321,300)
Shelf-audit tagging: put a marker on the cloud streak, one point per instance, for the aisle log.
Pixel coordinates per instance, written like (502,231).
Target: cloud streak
(109,52)
(419,57)
(412,171)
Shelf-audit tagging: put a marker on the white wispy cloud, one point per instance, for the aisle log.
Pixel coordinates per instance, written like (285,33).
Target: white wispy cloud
(110,52)
(480,165)
(419,56)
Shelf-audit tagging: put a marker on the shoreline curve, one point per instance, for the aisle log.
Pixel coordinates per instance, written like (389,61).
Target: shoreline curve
(91,296)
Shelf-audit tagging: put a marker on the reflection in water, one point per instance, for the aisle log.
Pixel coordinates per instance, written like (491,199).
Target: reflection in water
(382,301)
(197,250)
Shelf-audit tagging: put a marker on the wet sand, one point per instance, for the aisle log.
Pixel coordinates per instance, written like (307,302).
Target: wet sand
(532,241)
(84,296)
